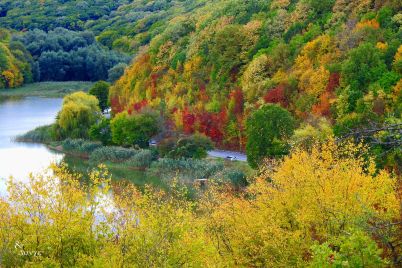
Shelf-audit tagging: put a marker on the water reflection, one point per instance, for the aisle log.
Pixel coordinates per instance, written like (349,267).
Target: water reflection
(18,116)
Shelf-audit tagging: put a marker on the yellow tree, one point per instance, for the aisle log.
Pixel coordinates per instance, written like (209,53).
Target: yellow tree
(309,197)
(310,68)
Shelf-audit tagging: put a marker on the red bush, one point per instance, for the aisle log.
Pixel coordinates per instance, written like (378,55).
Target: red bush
(276,95)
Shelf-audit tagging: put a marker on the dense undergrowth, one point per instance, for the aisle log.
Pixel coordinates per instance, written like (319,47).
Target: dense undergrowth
(317,209)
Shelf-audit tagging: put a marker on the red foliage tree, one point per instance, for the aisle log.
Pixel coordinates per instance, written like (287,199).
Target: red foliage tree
(188,121)
(276,95)
(212,125)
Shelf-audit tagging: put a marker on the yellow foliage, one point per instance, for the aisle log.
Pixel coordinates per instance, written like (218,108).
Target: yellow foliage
(310,197)
(9,77)
(382,46)
(131,87)
(280,76)
(397,91)
(310,68)
(398,55)
(373,23)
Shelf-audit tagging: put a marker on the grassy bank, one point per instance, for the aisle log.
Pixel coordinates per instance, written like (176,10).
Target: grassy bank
(46,89)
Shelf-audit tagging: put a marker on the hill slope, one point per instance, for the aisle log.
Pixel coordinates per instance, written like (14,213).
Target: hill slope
(212,66)
(120,24)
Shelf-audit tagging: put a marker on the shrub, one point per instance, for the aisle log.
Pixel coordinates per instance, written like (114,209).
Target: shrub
(195,146)
(79,145)
(41,134)
(112,153)
(142,159)
(236,177)
(101,131)
(137,129)
(186,170)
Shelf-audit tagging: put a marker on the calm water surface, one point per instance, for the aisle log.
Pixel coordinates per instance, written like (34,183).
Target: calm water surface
(18,117)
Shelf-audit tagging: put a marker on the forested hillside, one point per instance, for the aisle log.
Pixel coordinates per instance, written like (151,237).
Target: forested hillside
(50,14)
(337,60)
(122,24)
(15,62)
(64,55)
(56,55)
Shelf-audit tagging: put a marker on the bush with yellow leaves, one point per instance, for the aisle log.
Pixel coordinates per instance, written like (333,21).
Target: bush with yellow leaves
(315,208)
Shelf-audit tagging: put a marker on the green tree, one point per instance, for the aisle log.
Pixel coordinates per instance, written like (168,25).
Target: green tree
(78,113)
(363,67)
(267,131)
(101,91)
(352,250)
(137,129)
(101,131)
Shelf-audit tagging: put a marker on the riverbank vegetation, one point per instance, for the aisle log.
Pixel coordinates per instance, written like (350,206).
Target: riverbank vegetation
(47,89)
(335,209)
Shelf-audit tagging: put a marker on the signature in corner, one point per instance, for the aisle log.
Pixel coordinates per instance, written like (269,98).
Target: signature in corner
(20,247)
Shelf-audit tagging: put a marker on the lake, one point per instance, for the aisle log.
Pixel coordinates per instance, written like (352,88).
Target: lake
(18,116)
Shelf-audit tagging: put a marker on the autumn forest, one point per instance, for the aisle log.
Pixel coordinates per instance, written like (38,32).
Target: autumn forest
(194,133)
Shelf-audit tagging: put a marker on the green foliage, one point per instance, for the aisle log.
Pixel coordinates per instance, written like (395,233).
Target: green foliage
(195,146)
(112,154)
(308,134)
(78,113)
(143,159)
(364,66)
(352,250)
(80,146)
(186,170)
(235,177)
(268,128)
(321,6)
(101,131)
(228,49)
(116,72)
(101,91)
(43,134)
(136,129)
(63,55)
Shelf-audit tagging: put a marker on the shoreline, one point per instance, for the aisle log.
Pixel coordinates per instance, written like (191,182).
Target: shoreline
(48,89)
